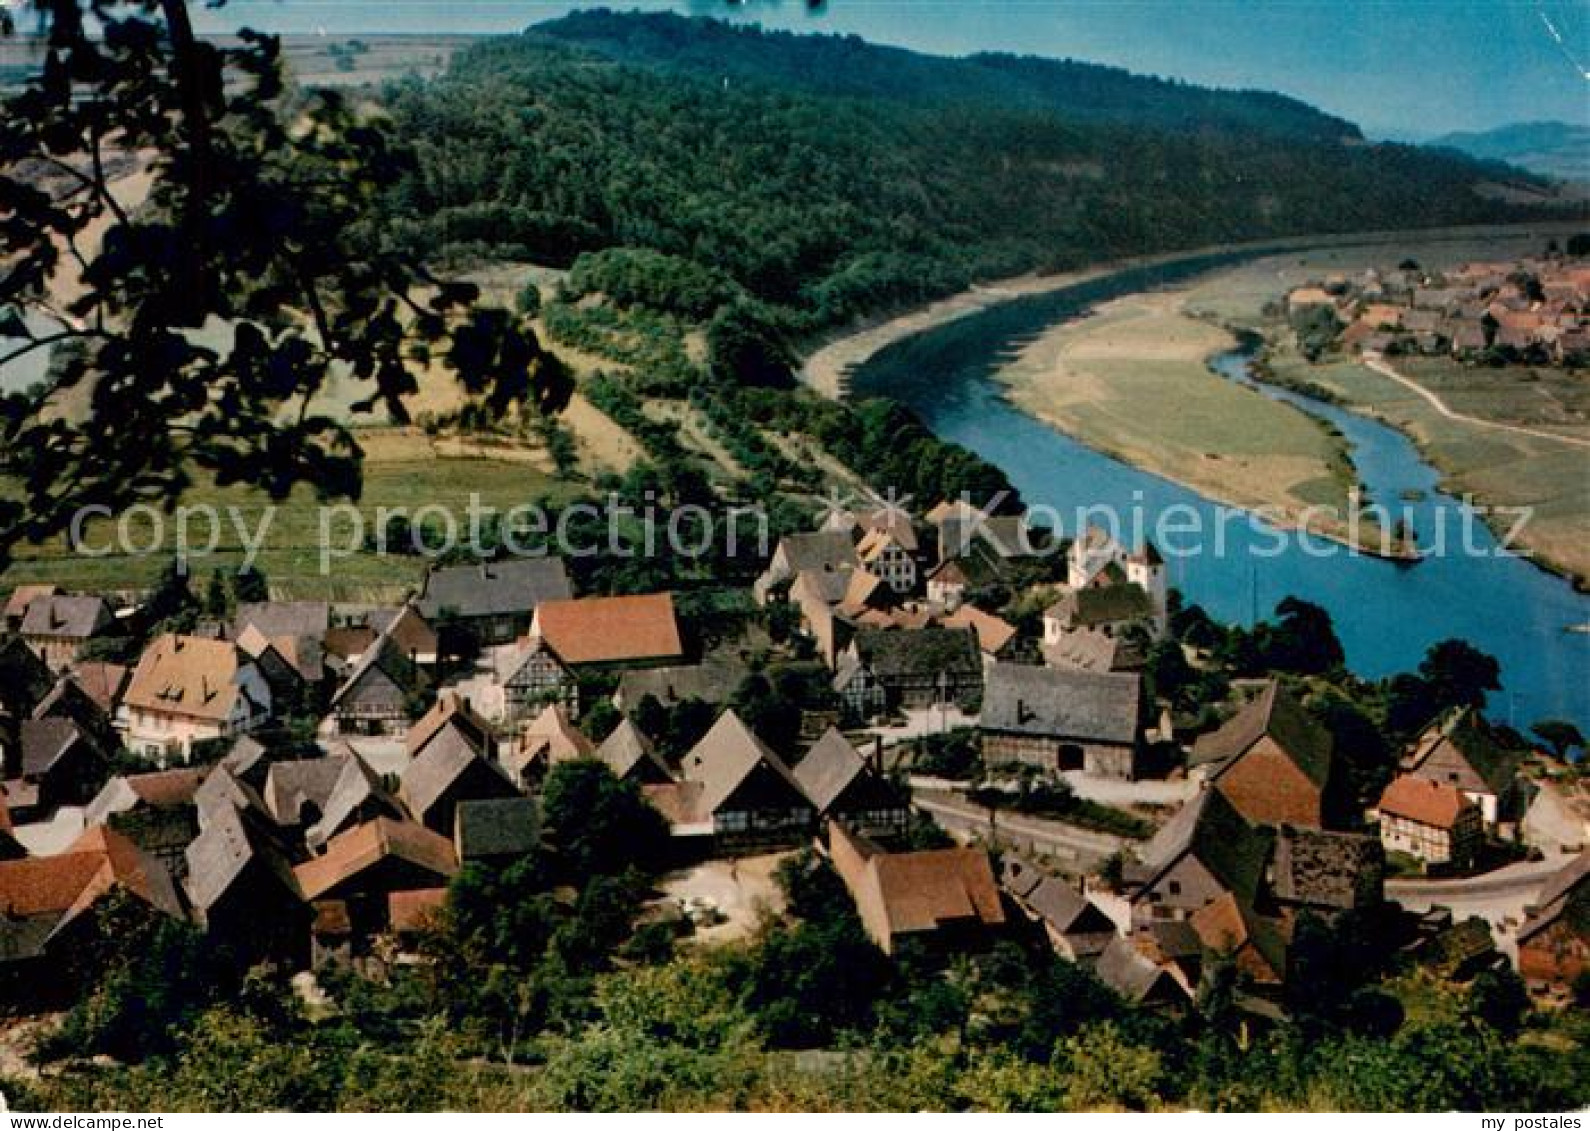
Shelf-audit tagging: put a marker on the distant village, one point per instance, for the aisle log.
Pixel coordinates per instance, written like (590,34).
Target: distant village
(1533,310)
(305,779)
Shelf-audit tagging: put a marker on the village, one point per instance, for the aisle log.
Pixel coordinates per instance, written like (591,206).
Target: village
(305,780)
(1534,310)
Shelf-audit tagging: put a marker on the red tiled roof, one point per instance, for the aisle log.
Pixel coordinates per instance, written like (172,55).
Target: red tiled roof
(1428,802)
(166,788)
(351,852)
(38,885)
(450,707)
(102,682)
(993,633)
(601,630)
(186,675)
(70,881)
(921,890)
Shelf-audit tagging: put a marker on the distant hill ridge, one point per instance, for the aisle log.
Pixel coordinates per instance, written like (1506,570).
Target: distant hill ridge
(1553,149)
(831,179)
(848,66)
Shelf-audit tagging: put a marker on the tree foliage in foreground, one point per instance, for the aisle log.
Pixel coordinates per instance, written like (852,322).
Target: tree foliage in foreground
(198,330)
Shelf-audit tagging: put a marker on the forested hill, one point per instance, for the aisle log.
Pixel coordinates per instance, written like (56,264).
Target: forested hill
(849,66)
(832,206)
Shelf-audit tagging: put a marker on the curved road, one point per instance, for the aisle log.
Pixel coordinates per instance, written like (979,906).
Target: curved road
(1380,365)
(1053,838)
(1498,897)
(1514,882)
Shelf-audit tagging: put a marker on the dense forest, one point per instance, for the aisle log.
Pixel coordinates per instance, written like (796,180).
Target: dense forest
(831,178)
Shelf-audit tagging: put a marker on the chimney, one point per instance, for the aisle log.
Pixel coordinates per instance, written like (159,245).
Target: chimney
(1021,711)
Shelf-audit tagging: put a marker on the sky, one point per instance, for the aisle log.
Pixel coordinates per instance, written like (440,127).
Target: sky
(1400,68)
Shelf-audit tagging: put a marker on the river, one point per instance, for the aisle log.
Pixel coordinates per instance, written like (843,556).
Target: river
(1387,614)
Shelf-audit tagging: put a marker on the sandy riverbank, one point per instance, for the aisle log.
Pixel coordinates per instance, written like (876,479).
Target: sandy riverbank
(826,367)
(1132,379)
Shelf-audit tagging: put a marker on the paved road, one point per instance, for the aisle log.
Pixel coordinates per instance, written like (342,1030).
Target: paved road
(922,721)
(1084,849)
(1498,897)
(1515,880)
(1112,791)
(1380,365)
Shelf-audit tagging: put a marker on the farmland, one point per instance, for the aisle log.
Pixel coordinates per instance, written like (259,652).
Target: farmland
(1131,379)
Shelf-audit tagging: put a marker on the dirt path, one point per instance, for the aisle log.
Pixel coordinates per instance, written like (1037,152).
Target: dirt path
(1383,367)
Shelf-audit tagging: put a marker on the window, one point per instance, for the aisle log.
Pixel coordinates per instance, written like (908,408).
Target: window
(1175,887)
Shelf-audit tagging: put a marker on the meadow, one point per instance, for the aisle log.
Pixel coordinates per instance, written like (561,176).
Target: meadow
(1132,379)
(1495,467)
(402,470)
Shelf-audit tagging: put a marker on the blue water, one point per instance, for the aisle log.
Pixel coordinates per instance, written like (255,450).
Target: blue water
(1387,614)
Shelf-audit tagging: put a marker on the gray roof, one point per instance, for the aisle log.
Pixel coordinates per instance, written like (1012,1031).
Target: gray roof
(512,586)
(819,551)
(1563,892)
(1049,897)
(116,796)
(1210,829)
(1013,536)
(629,752)
(1127,971)
(1052,702)
(24,678)
(1103,604)
(445,759)
(26,938)
(357,787)
(711,682)
(1327,869)
(283,618)
(160,789)
(222,793)
(386,657)
(46,741)
(1472,738)
(726,755)
(289,786)
(505,826)
(894,653)
(340,786)
(245,753)
(828,769)
(68,700)
(71,617)
(845,670)
(1093,650)
(221,853)
(829,586)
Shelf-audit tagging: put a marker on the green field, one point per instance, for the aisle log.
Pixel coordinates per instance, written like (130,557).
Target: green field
(1497,468)
(401,474)
(1132,379)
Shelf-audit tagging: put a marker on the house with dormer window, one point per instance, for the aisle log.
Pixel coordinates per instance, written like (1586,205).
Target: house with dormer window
(187,690)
